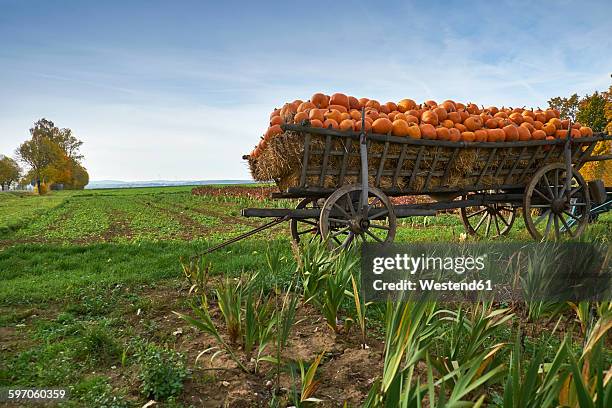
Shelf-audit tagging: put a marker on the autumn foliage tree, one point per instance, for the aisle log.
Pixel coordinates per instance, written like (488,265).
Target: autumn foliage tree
(10,172)
(594,111)
(53,156)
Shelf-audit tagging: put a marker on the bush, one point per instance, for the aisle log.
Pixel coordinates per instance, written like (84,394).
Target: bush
(162,372)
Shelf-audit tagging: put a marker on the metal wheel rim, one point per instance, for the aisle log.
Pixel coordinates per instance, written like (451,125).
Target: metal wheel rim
(543,220)
(381,227)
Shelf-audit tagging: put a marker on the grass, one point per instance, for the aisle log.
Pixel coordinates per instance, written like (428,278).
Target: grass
(89,279)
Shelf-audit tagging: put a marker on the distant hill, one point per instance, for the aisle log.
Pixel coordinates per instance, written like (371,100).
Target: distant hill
(159,183)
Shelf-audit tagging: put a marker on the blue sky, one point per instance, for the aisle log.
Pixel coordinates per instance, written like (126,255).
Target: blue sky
(180,90)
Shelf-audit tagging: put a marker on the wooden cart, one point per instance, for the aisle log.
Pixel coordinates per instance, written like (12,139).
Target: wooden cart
(347,182)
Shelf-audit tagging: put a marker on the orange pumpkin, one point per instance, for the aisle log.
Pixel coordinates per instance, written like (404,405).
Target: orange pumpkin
(347,124)
(565,123)
(575,133)
(382,126)
(431,103)
(406,105)
(586,131)
(400,128)
(428,131)
(529,114)
(492,123)
(448,123)
(330,123)
(523,133)
(529,126)
(449,105)
(355,114)
(557,123)
(551,114)
(412,119)
(442,133)
(300,117)
(340,99)
(384,109)
(391,106)
(340,108)
(287,111)
(496,135)
(480,135)
(305,106)
(473,123)
(538,125)
(516,118)
(368,125)
(316,123)
(354,103)
(538,135)
(276,120)
(541,116)
(320,100)
(473,109)
(441,113)
(461,127)
(363,102)
(501,114)
(272,131)
(344,116)
(316,114)
(549,129)
(275,112)
(429,117)
(374,104)
(511,132)
(333,114)
(468,136)
(454,135)
(414,131)
(561,134)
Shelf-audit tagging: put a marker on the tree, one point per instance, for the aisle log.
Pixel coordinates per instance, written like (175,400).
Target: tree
(53,155)
(39,152)
(10,172)
(591,111)
(64,138)
(608,111)
(568,107)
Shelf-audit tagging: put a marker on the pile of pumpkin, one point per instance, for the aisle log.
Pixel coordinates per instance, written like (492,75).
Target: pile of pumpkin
(449,120)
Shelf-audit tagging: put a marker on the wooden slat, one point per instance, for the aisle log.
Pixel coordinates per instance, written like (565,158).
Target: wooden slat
(325,159)
(400,163)
(535,154)
(345,159)
(433,168)
(516,162)
(305,159)
(381,164)
(416,166)
(449,165)
(487,164)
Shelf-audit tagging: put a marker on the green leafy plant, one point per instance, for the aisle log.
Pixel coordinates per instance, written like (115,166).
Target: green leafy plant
(162,372)
(308,383)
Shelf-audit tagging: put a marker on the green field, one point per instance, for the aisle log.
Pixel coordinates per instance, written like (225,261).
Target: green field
(89,281)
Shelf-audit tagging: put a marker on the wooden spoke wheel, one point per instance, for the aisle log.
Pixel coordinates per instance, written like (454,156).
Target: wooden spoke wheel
(343,219)
(306,228)
(548,206)
(490,220)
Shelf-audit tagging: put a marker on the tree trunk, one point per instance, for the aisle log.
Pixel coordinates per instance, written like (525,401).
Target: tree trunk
(38,185)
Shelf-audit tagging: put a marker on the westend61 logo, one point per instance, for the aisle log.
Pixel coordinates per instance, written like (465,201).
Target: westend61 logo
(485,271)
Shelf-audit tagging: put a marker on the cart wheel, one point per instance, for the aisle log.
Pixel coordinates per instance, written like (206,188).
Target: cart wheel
(342,219)
(549,212)
(490,220)
(306,227)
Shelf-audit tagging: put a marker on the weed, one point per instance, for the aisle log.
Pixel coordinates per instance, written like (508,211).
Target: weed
(162,372)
